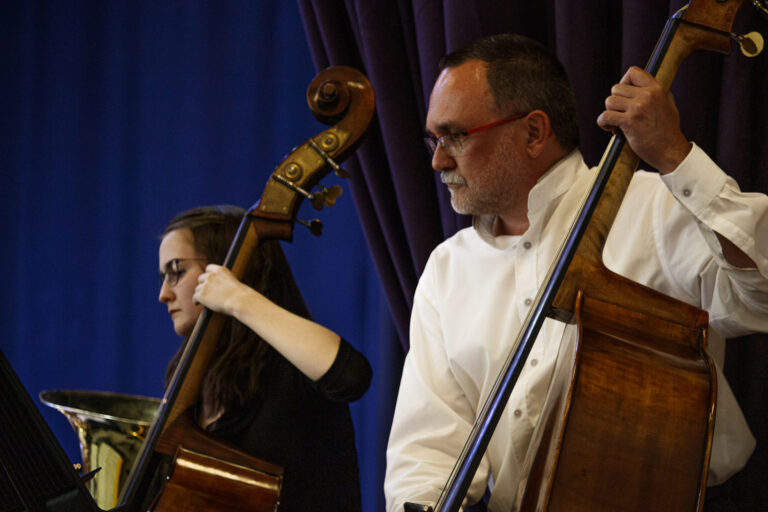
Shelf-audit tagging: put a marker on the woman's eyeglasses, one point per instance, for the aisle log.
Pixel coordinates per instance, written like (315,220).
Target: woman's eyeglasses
(172,272)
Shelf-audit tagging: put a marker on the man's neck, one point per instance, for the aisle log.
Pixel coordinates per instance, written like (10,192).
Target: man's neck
(510,225)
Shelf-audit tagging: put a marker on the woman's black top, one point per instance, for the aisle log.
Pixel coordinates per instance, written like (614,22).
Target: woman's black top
(306,428)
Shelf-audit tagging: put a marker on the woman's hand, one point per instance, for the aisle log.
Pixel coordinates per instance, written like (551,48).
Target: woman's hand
(218,289)
(309,346)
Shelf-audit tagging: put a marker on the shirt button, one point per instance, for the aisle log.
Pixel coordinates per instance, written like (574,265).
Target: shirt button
(527,245)
(687,192)
(534,362)
(527,302)
(518,413)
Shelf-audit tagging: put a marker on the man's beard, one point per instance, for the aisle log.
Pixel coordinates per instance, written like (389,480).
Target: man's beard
(489,192)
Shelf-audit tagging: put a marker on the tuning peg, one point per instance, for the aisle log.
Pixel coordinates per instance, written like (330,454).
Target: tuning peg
(751,44)
(341,173)
(326,196)
(292,186)
(761,5)
(315,226)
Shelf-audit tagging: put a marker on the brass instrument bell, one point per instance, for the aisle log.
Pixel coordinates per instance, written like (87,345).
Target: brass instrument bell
(111,428)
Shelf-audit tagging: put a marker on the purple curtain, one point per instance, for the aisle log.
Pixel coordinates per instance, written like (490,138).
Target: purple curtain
(404,210)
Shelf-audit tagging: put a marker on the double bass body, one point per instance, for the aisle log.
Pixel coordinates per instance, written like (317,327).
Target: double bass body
(629,416)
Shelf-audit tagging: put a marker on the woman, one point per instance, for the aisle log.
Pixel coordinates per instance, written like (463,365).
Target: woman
(279,384)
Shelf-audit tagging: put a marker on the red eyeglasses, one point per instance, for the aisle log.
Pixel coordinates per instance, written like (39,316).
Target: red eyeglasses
(452,143)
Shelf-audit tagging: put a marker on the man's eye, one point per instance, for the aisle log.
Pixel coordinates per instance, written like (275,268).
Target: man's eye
(454,136)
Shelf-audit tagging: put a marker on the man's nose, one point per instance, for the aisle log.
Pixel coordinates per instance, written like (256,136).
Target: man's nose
(441,160)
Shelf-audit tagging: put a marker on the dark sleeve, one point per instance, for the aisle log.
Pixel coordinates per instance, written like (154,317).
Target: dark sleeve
(348,377)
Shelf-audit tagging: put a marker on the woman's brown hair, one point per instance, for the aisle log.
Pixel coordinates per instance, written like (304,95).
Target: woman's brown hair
(233,377)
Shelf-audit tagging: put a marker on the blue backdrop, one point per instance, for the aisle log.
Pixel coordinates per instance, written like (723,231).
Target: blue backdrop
(113,117)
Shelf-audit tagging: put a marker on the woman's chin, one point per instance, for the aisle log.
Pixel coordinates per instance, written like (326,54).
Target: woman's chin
(183,330)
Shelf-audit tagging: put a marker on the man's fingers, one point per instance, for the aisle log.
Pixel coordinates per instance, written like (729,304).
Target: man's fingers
(608,121)
(637,77)
(617,103)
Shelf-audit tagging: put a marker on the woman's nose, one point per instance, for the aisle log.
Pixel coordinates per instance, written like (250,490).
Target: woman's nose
(165,292)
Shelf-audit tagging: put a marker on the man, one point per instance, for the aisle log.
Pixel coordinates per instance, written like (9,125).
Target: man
(503,124)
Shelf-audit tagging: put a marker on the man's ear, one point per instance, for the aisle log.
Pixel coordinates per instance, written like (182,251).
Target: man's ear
(539,132)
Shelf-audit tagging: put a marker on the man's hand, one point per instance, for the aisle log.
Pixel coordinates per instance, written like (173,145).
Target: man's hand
(646,114)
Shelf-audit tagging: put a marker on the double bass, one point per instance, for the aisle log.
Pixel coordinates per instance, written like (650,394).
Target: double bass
(629,415)
(179,466)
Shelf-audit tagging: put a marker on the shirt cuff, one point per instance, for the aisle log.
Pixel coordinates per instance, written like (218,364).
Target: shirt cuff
(696,181)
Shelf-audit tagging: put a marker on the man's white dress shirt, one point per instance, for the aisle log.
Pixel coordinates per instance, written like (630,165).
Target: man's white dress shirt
(476,291)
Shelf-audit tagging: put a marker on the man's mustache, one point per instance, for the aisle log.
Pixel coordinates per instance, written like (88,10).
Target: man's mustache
(450,178)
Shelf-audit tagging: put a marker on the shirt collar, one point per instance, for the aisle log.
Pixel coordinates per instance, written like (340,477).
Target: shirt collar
(555,182)
(552,184)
